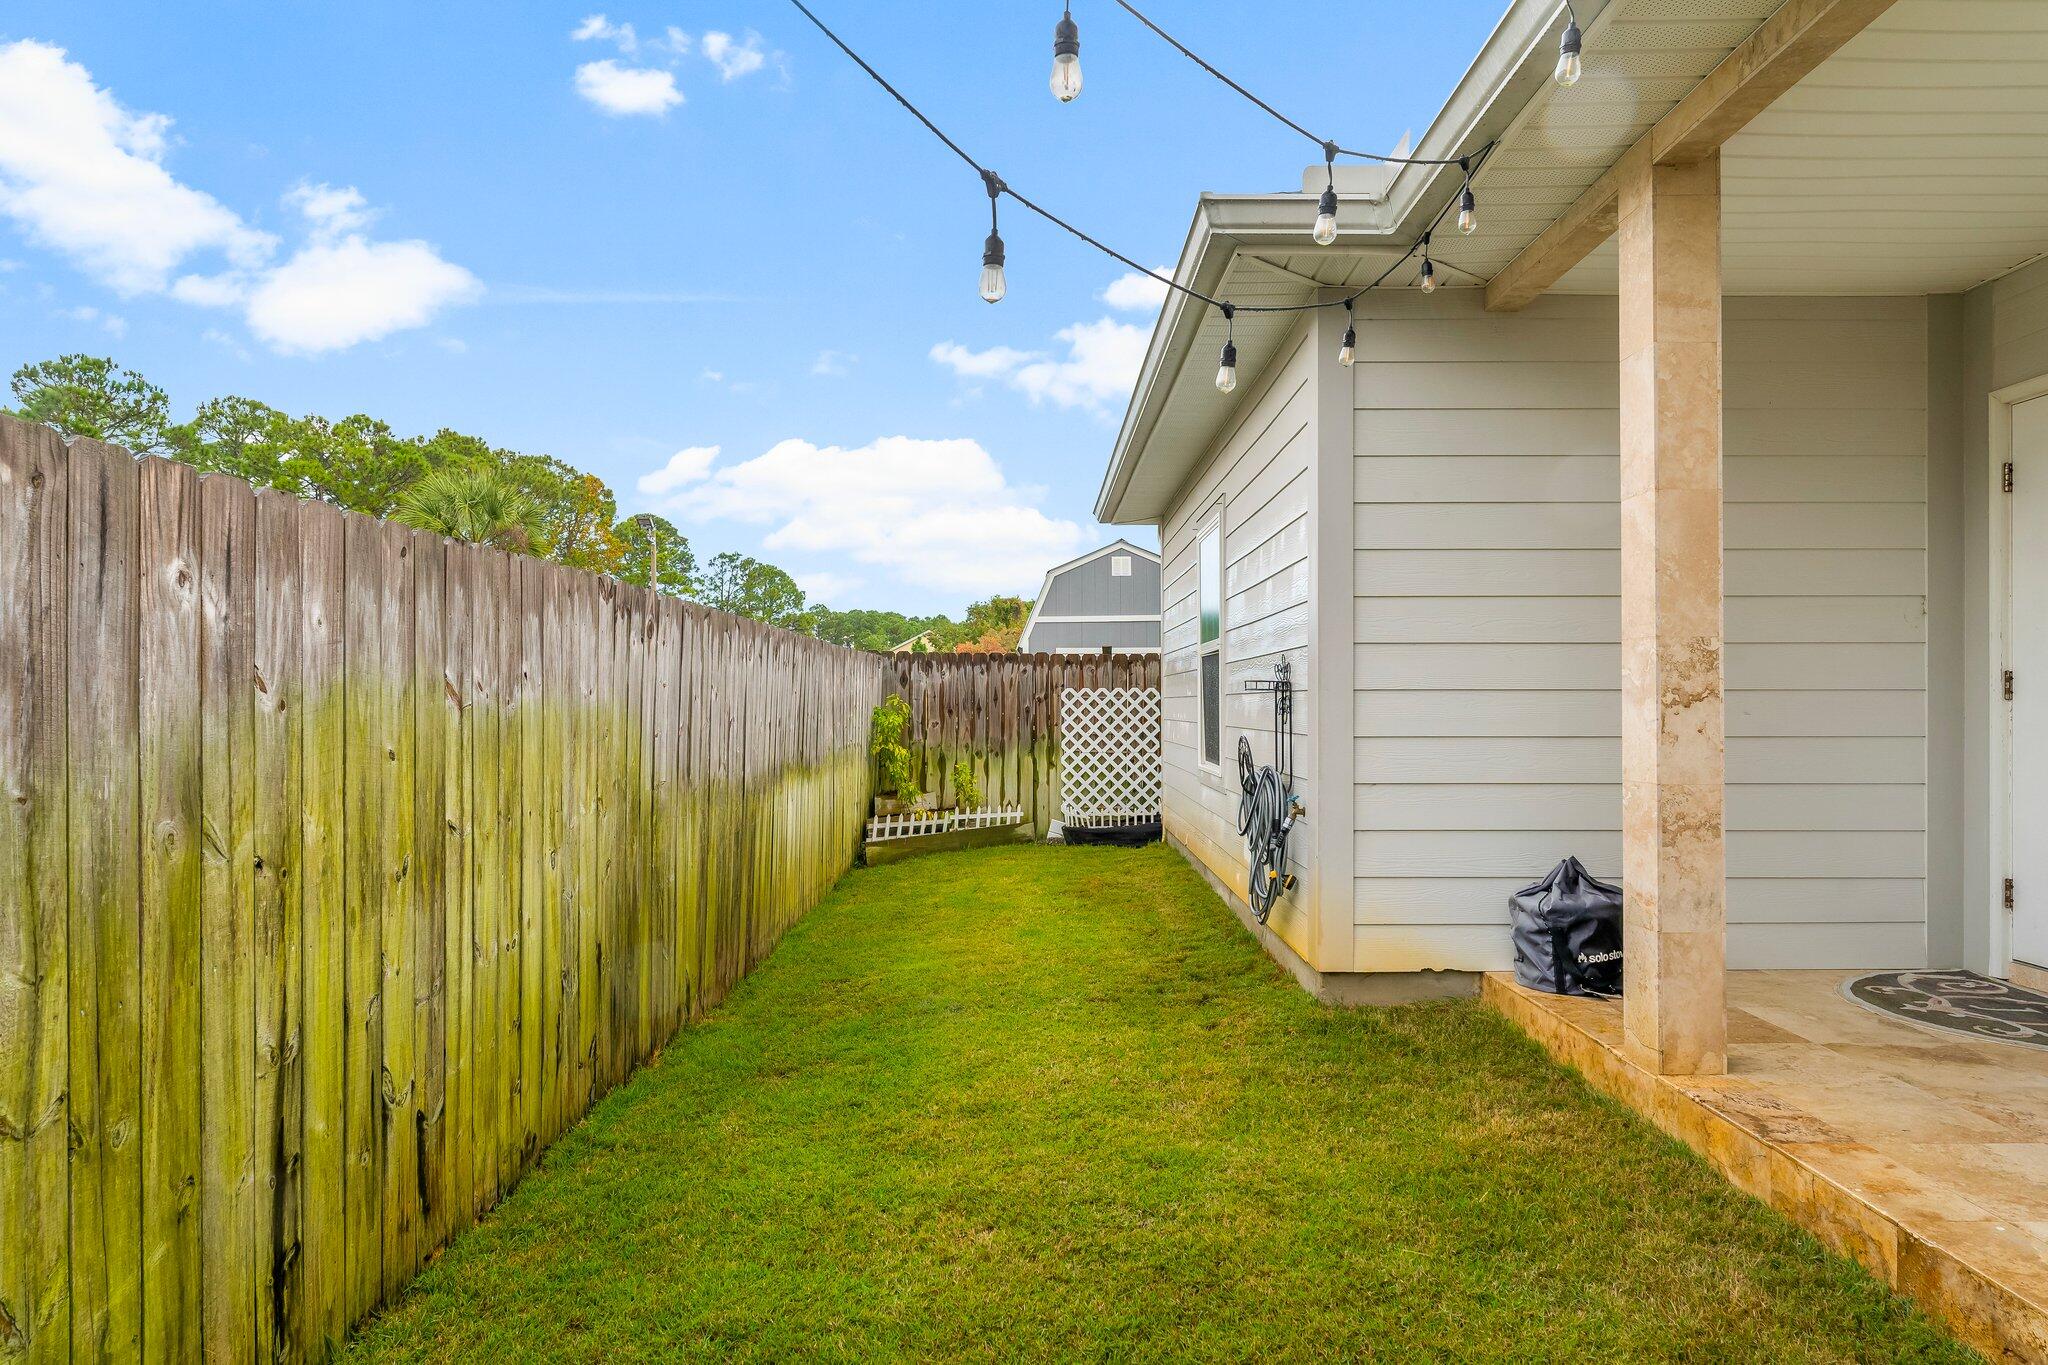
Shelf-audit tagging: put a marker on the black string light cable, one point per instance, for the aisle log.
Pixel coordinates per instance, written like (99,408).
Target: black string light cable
(1567,74)
(992,279)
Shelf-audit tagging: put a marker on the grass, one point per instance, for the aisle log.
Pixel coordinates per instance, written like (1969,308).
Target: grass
(1053,1104)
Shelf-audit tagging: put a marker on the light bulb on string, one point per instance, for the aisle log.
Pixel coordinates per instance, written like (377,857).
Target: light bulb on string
(1468,207)
(993,284)
(1066,58)
(1569,66)
(1226,373)
(1326,207)
(1348,352)
(1428,268)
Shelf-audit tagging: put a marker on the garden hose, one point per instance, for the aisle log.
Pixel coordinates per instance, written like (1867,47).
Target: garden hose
(1267,808)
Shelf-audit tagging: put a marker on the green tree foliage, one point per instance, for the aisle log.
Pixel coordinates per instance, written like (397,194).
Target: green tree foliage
(745,586)
(83,395)
(993,625)
(475,504)
(648,541)
(878,631)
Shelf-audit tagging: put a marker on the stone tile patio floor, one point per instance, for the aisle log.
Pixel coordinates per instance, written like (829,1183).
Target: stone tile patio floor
(1921,1153)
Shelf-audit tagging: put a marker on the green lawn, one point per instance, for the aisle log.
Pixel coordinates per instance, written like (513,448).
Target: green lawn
(1054,1104)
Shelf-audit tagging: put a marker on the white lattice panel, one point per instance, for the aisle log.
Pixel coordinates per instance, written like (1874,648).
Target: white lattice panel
(1110,763)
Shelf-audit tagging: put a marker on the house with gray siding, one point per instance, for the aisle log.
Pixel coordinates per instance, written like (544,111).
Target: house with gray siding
(1457,532)
(1696,526)
(1107,599)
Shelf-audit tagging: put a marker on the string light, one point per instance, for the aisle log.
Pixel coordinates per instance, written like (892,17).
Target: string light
(1226,373)
(994,285)
(1569,66)
(1348,352)
(1066,58)
(1326,207)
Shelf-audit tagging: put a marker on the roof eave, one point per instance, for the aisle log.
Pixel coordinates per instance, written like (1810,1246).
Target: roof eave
(1510,67)
(1223,224)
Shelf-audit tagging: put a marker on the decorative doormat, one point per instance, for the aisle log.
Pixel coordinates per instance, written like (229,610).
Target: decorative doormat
(1957,1002)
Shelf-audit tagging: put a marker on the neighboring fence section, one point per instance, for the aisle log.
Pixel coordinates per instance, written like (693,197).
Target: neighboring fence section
(341,869)
(1001,712)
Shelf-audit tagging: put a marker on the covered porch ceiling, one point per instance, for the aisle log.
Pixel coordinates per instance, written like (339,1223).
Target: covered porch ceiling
(1913,160)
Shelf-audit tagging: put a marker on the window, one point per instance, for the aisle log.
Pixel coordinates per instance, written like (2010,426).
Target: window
(1119,566)
(1209,594)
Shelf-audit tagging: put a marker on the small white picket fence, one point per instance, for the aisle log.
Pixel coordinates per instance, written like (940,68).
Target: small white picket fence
(914,823)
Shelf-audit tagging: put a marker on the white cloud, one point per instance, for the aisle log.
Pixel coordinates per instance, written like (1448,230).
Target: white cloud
(227,343)
(996,360)
(677,41)
(624,91)
(831,363)
(331,211)
(334,294)
(733,57)
(115,326)
(1137,293)
(826,586)
(710,376)
(84,176)
(934,514)
(597,28)
(1098,371)
(687,466)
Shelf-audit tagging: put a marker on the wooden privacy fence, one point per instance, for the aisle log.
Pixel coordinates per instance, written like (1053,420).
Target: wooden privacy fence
(343,868)
(1001,713)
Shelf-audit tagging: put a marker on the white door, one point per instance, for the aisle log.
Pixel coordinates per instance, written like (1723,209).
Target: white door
(2028,652)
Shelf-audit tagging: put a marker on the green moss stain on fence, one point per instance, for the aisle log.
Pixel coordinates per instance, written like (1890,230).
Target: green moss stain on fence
(345,867)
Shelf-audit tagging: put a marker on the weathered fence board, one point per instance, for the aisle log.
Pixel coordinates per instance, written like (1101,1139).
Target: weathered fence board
(279,1122)
(168,723)
(105,877)
(35,1307)
(345,866)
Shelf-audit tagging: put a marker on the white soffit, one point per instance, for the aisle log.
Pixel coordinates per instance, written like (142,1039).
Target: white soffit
(1193,413)
(1642,57)
(1913,161)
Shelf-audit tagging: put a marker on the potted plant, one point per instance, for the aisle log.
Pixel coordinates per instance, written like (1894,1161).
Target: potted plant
(966,791)
(896,789)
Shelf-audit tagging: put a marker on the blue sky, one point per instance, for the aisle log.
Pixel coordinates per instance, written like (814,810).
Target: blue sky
(705,258)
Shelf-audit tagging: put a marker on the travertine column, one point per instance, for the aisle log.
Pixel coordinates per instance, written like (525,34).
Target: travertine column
(1671,746)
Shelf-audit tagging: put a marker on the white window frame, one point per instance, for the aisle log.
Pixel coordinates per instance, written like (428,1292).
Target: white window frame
(1212,524)
(1119,566)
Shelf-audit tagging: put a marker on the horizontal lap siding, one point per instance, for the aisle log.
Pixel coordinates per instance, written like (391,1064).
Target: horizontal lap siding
(1487,624)
(1260,474)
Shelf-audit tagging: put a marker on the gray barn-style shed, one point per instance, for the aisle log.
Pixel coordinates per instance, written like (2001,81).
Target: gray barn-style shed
(1106,599)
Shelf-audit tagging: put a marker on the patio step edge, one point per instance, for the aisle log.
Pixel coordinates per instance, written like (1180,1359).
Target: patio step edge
(1984,1310)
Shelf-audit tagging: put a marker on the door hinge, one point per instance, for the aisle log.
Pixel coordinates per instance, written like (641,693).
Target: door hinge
(2008,893)
(2008,476)
(2008,684)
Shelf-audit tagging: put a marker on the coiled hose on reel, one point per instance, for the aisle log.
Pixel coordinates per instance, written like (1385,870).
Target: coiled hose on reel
(1266,809)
